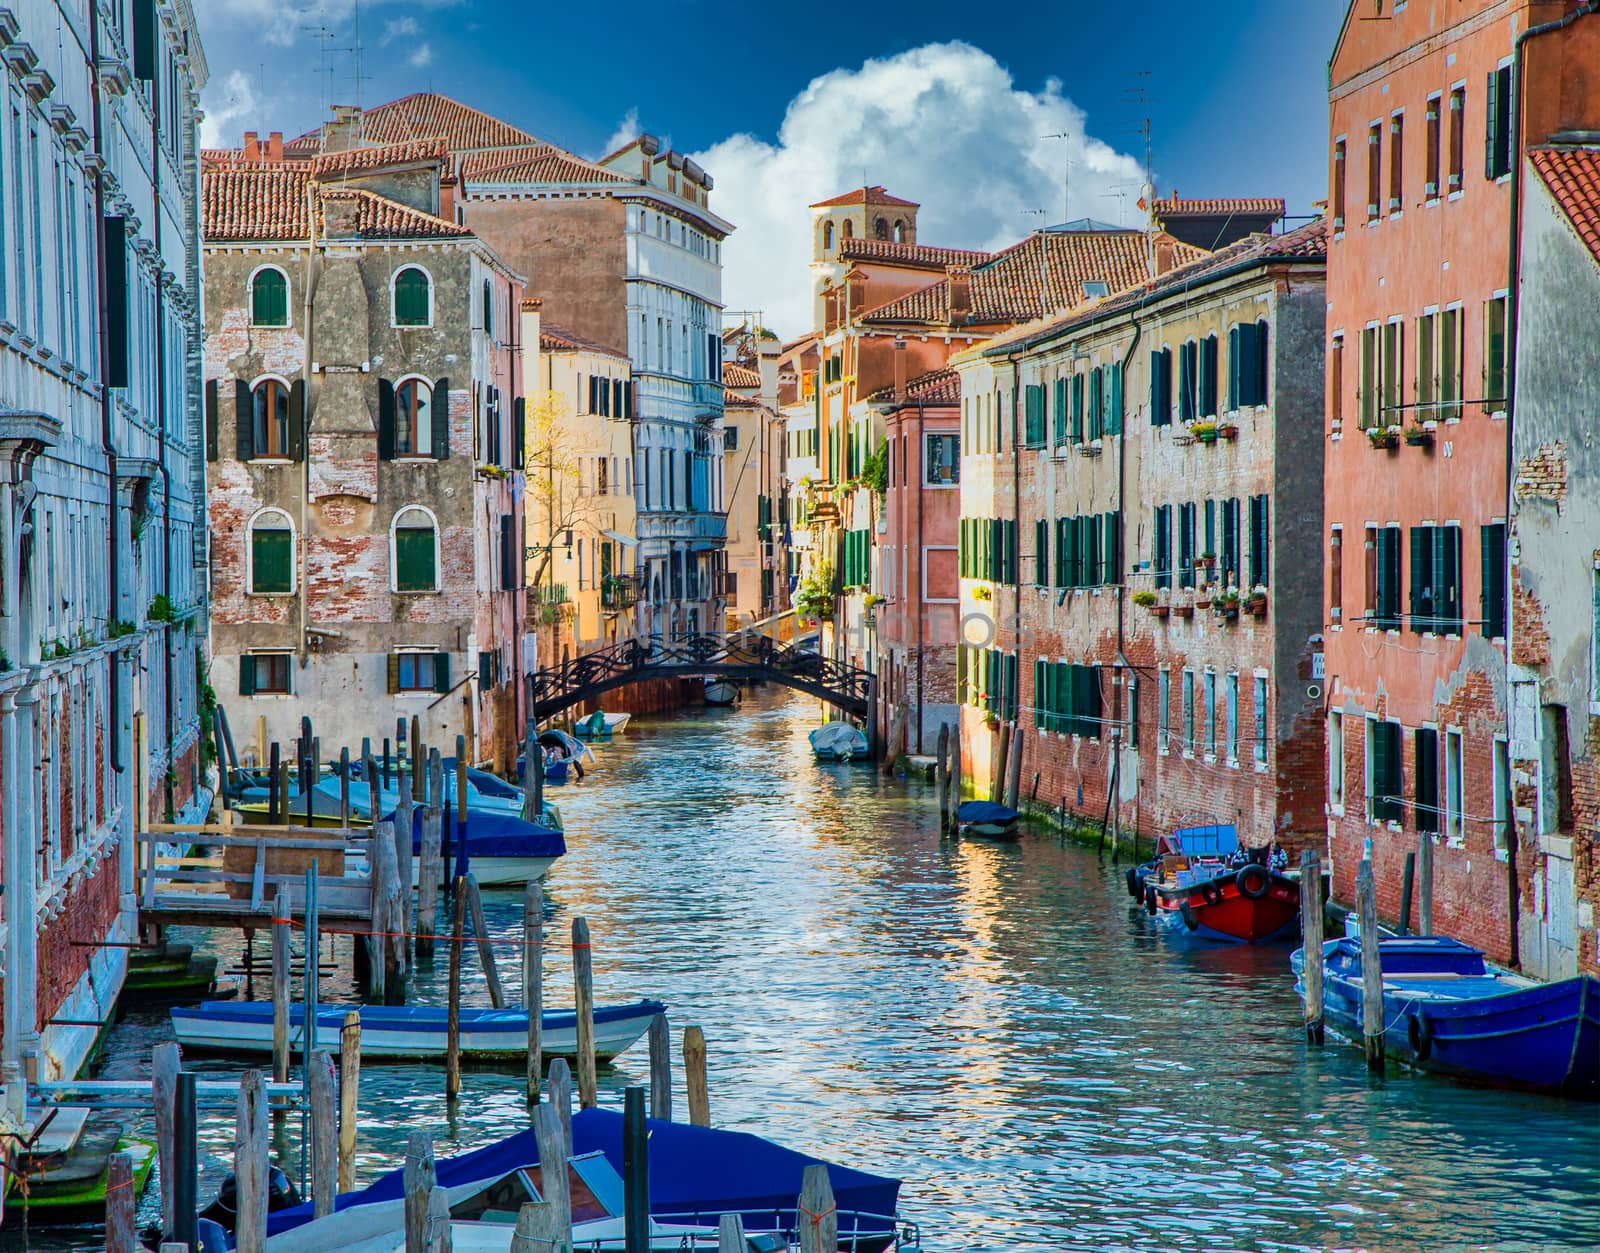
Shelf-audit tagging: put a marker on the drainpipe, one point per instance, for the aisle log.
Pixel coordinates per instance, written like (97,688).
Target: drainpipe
(1122,557)
(922,487)
(1513,278)
(107,442)
(1016,518)
(161,441)
(308,284)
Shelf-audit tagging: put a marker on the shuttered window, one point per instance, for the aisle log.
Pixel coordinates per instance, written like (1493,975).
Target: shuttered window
(1161,388)
(1260,541)
(1436,579)
(1492,607)
(1077,409)
(412,298)
(1230,542)
(1385,803)
(1096,388)
(1497,125)
(1426,747)
(1163,545)
(1186,544)
(415,552)
(271,556)
(1058,410)
(1114,399)
(269,298)
(1067,698)
(1111,549)
(1033,415)
(1041,552)
(418,672)
(1208,377)
(1188,382)
(265,674)
(1386,601)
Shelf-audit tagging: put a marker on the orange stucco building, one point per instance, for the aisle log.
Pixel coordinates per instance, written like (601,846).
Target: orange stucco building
(1427,103)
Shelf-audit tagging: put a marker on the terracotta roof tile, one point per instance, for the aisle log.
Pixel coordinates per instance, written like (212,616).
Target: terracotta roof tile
(1245,206)
(382,218)
(424,114)
(1308,243)
(936,387)
(554,339)
(922,256)
(265,202)
(735,375)
(1007,287)
(1572,176)
(534,163)
(352,160)
(866,195)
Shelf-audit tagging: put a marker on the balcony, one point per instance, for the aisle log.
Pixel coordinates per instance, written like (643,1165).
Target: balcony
(548,594)
(618,592)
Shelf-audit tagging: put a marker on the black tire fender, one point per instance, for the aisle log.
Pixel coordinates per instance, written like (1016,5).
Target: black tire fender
(1150,900)
(1211,892)
(1253,881)
(1187,913)
(1419,1034)
(1135,884)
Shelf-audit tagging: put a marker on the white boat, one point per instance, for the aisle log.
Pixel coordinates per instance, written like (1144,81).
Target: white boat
(404,1032)
(839,741)
(599,725)
(721,692)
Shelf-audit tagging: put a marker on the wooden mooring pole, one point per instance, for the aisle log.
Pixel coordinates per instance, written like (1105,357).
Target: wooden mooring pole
(420,1177)
(660,1069)
(818,1219)
(122,1234)
(344,788)
(1311,934)
(554,1150)
(250,1165)
(280,988)
(954,795)
(537,1229)
(430,872)
(1371,968)
(1014,768)
(560,1088)
(997,780)
(533,985)
(164,1067)
(1407,879)
(324,1134)
(636,1173)
(694,1076)
(1425,885)
(480,933)
(941,772)
(349,1097)
(452,1056)
(730,1234)
(583,987)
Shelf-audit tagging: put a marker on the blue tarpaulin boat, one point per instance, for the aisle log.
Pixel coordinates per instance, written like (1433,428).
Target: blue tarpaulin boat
(500,850)
(697,1174)
(986,818)
(1445,1009)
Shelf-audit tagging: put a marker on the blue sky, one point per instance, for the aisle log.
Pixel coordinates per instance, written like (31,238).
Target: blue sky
(948,107)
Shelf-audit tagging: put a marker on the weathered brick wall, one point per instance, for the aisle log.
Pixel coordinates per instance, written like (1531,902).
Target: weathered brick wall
(90,909)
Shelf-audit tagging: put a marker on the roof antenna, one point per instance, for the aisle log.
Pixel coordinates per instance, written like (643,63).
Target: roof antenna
(1066,176)
(1147,194)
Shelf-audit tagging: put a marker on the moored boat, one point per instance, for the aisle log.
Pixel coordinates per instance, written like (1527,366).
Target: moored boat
(839,741)
(1446,1009)
(600,725)
(721,692)
(411,1033)
(1200,875)
(987,820)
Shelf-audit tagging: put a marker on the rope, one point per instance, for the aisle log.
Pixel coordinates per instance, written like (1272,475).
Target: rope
(442,937)
(816,1218)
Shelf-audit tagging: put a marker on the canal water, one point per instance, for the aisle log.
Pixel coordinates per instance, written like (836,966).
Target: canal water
(994,1024)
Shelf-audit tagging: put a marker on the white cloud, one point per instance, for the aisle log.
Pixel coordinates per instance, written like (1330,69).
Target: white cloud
(627,130)
(227,103)
(420,56)
(944,125)
(282,22)
(398,28)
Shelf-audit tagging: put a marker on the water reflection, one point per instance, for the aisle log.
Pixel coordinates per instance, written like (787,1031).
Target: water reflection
(998,1025)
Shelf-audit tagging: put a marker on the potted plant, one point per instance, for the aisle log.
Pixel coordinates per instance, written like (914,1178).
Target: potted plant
(1184,609)
(981,592)
(991,720)
(1227,605)
(1205,432)
(1383,436)
(1144,599)
(1257,602)
(1419,434)
(1227,430)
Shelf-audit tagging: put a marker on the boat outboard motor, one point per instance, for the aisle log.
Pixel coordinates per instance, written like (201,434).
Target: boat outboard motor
(209,1237)
(281,1194)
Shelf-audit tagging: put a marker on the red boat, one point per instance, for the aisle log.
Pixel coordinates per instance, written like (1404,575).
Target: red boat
(1201,875)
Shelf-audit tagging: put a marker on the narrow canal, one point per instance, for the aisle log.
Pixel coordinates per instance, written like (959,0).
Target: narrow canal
(994,1024)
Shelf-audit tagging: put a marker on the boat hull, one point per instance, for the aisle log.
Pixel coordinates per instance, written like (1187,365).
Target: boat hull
(1540,1036)
(1219,909)
(411,1034)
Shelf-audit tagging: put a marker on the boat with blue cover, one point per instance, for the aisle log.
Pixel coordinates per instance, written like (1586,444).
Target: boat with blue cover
(411,1033)
(839,741)
(987,819)
(1446,1009)
(697,1174)
(501,851)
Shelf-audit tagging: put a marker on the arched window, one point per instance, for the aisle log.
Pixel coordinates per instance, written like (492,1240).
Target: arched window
(849,229)
(413,419)
(416,551)
(413,297)
(269,297)
(488,309)
(271,554)
(270,415)
(899,231)
(880,229)
(827,234)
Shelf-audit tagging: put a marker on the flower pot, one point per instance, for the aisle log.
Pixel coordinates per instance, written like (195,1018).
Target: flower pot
(1203,603)
(1257,605)
(1418,437)
(1207,437)
(1227,612)
(1183,611)
(1228,431)
(1160,611)
(1383,439)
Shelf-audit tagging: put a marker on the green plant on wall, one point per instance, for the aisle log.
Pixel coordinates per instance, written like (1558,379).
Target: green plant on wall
(160,609)
(814,598)
(875,472)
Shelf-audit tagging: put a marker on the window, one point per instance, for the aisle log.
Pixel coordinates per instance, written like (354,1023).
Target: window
(1186,544)
(1188,712)
(1494,354)
(1208,377)
(1502,794)
(1492,597)
(1261,720)
(1385,610)
(1077,409)
(1367,390)
(416,555)
(265,674)
(271,554)
(1336,379)
(827,234)
(1033,401)
(1394,366)
(1427,376)
(270,419)
(1436,579)
(1384,802)
(1163,546)
(1211,714)
(1041,553)
(413,429)
(1425,745)
(1338,185)
(1454,792)
(1430,169)
(1397,127)
(1161,388)
(1188,382)
(1247,364)
(1336,761)
(1497,125)
(1096,390)
(269,298)
(1260,541)
(1067,698)
(1458,143)
(1336,576)
(488,310)
(413,297)
(1233,719)
(1374,170)
(1164,710)
(1449,356)
(1230,542)
(418,672)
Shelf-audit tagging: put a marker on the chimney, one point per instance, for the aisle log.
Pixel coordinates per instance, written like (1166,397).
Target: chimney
(252,146)
(275,146)
(1164,254)
(767,351)
(960,277)
(532,318)
(344,131)
(899,367)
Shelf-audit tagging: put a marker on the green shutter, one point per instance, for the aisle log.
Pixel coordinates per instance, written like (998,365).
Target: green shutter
(1491,117)
(1492,598)
(1114,418)
(272,561)
(1077,409)
(411,298)
(415,570)
(247,675)
(146,39)
(1111,560)
(1069,549)
(213,420)
(1041,552)
(116,245)
(441,672)
(269,299)
(1421,571)
(1059,410)
(1096,389)
(1235,364)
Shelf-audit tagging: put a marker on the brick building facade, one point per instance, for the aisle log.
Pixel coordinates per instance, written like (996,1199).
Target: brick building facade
(362,380)
(1140,504)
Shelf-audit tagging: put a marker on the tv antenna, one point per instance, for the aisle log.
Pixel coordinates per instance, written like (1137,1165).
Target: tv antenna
(1066,175)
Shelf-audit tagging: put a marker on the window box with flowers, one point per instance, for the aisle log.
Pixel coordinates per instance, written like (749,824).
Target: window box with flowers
(1420,434)
(1205,432)
(1386,437)
(1227,430)
(1184,609)
(1227,605)
(1256,603)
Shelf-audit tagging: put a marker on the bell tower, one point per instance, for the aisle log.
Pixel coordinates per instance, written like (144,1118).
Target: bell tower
(865,213)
